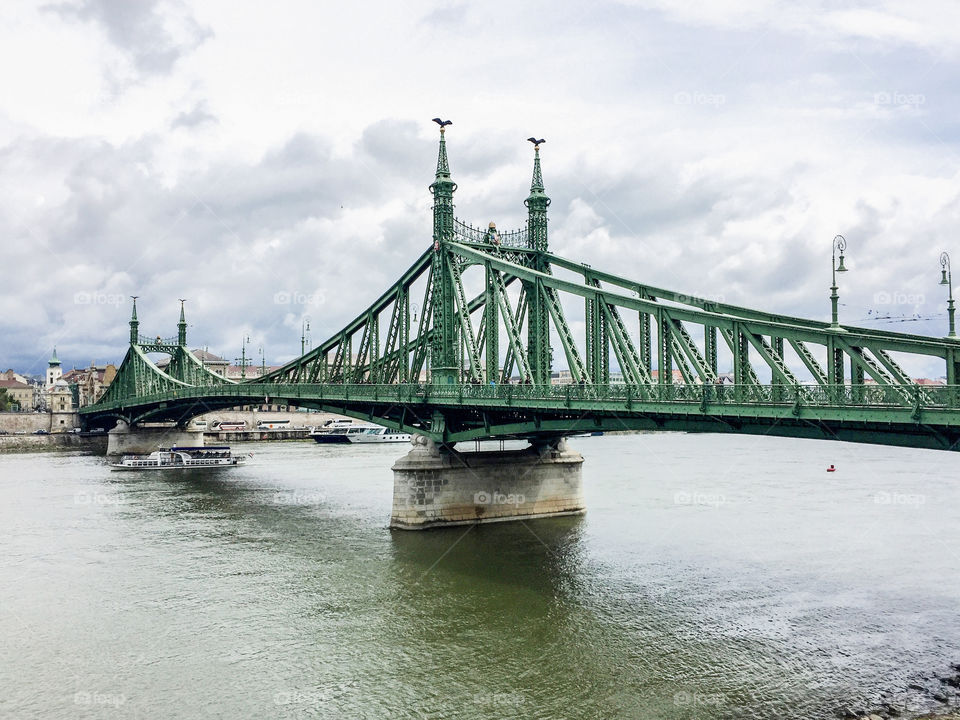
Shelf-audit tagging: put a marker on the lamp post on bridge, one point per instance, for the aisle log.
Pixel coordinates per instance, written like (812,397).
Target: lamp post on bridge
(243,357)
(947,279)
(304,329)
(839,243)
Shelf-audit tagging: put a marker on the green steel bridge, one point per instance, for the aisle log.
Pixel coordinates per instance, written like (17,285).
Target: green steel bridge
(436,352)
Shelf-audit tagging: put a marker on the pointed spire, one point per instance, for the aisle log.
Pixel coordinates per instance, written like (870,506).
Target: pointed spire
(442,184)
(443,165)
(442,188)
(536,184)
(134,323)
(537,203)
(182,326)
(54,360)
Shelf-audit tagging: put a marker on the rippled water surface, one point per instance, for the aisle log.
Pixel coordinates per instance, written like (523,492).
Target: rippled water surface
(712,577)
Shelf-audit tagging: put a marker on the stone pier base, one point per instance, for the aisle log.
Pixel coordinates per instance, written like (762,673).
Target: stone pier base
(438,487)
(145,439)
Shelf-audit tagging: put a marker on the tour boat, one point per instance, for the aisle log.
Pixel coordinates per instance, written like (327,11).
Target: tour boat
(378,434)
(348,431)
(181,458)
(333,431)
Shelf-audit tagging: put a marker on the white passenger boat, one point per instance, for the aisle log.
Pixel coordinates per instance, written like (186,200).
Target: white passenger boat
(181,458)
(335,431)
(377,434)
(348,431)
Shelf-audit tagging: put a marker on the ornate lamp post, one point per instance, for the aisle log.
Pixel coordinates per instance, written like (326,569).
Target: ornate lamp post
(304,329)
(243,357)
(839,243)
(947,279)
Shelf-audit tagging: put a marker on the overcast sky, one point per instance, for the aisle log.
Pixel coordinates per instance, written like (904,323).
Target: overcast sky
(240,153)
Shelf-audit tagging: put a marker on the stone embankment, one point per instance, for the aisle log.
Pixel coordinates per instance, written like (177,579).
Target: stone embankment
(56,441)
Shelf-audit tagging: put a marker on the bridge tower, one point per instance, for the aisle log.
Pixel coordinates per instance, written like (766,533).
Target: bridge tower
(444,368)
(538,314)
(134,323)
(182,327)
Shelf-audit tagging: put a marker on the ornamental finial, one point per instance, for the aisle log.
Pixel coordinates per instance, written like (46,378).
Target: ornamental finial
(443,165)
(536,184)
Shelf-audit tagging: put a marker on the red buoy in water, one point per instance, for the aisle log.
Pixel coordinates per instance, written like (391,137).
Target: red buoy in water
(831,469)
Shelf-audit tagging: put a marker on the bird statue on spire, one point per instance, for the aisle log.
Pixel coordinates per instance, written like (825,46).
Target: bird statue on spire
(536,143)
(442,123)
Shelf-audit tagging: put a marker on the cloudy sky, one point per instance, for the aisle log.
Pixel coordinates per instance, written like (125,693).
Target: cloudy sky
(240,153)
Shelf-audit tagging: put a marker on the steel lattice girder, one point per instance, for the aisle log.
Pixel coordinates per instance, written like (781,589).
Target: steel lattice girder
(143,391)
(473,411)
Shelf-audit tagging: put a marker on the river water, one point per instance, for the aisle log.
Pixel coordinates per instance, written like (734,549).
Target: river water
(712,577)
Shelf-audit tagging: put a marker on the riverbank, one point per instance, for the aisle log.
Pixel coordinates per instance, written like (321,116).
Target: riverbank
(96,444)
(936,687)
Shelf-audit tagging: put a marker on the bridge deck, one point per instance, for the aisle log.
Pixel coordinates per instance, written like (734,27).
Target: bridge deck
(917,416)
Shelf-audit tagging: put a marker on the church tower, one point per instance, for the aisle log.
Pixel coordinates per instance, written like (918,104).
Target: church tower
(54,372)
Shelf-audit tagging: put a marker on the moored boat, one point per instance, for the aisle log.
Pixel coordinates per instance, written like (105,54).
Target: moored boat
(347,431)
(378,434)
(333,431)
(181,458)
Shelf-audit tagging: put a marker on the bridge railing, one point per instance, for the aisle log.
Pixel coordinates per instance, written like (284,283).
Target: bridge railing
(517,395)
(155,340)
(468,233)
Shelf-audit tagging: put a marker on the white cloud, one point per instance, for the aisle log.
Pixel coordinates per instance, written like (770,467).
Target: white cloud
(216,152)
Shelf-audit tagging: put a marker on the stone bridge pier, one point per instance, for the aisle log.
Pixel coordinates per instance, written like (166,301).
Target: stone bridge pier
(437,486)
(144,439)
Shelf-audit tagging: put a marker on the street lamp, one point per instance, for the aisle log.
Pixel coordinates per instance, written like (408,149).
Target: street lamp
(243,357)
(947,279)
(304,329)
(839,243)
